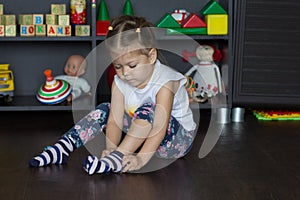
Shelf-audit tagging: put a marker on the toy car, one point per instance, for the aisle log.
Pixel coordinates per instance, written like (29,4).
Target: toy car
(6,83)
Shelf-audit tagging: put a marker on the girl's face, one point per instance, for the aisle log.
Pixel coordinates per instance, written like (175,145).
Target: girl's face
(136,68)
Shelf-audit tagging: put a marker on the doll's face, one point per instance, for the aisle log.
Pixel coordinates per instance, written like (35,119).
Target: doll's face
(74,66)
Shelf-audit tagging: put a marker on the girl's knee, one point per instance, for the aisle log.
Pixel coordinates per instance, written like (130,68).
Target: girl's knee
(145,112)
(104,107)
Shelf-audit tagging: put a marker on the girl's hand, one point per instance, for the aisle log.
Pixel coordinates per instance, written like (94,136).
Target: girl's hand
(106,152)
(131,163)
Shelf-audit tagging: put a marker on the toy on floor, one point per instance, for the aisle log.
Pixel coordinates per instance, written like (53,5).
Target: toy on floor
(6,83)
(74,68)
(54,91)
(276,115)
(205,74)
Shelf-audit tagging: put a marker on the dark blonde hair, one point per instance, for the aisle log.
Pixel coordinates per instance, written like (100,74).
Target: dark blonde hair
(126,31)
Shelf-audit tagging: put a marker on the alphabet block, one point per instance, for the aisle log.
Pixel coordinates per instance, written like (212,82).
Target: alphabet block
(1,9)
(38,19)
(9,19)
(51,19)
(1,20)
(25,19)
(40,30)
(82,30)
(2,30)
(58,9)
(64,20)
(27,30)
(10,30)
(51,30)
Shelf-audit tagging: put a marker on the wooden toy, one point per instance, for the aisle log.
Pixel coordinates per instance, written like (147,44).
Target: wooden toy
(6,83)
(180,15)
(40,30)
(63,30)
(51,19)
(168,21)
(127,9)
(25,19)
(51,30)
(216,18)
(9,19)
(27,30)
(10,30)
(1,20)
(207,76)
(103,21)
(82,30)
(58,9)
(68,30)
(187,31)
(38,19)
(193,21)
(64,20)
(78,11)
(1,9)
(54,91)
(2,30)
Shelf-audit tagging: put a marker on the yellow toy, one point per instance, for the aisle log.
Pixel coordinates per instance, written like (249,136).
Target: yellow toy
(6,83)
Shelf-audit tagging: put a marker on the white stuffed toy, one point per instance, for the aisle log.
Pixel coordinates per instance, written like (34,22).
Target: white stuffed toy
(207,77)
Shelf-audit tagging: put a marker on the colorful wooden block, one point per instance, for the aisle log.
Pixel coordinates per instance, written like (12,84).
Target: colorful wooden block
(82,30)
(9,19)
(102,27)
(186,31)
(217,24)
(51,30)
(2,30)
(25,19)
(212,7)
(10,30)
(51,19)
(58,9)
(27,30)
(168,21)
(193,21)
(40,30)
(63,20)
(1,9)
(1,20)
(38,19)
(63,30)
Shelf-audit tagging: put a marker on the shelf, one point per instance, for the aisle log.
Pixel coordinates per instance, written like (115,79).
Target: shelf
(30,103)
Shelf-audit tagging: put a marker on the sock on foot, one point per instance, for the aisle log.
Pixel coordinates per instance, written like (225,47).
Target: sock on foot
(57,154)
(111,162)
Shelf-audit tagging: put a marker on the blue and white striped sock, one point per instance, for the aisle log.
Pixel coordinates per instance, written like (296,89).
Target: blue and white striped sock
(111,162)
(56,154)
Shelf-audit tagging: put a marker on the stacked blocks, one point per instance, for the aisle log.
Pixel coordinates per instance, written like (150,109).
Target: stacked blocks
(7,24)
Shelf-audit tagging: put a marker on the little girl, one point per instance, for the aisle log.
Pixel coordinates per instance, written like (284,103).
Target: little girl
(149,111)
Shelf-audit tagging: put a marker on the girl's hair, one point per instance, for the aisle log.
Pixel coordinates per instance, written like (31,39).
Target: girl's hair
(131,31)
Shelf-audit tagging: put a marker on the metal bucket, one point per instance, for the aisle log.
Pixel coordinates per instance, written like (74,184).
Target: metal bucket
(237,114)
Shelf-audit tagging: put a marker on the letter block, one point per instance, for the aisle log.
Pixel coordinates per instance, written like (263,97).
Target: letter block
(9,19)
(40,30)
(58,9)
(1,9)
(51,30)
(82,30)
(10,30)
(38,19)
(25,19)
(64,20)
(2,30)
(51,19)
(27,30)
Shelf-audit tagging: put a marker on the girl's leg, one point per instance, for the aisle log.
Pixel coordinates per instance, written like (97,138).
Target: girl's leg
(142,119)
(85,130)
(177,141)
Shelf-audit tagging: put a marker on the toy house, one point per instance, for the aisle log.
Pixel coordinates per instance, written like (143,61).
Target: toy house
(216,18)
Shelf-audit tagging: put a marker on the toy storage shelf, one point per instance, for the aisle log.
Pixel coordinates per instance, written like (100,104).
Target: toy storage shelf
(29,56)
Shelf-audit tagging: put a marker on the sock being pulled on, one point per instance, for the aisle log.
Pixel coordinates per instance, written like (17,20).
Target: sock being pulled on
(111,162)
(56,154)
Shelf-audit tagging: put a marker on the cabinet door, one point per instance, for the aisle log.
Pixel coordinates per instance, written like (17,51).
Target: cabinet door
(267,53)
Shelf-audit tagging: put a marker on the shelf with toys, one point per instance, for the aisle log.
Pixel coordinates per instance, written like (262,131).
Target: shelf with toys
(29,55)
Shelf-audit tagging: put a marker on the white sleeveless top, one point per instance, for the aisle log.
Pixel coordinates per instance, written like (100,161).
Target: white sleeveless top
(134,97)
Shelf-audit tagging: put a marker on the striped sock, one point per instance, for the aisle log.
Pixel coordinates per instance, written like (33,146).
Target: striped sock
(112,162)
(57,154)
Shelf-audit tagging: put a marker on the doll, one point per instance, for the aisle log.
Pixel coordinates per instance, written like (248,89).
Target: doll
(206,75)
(78,11)
(74,68)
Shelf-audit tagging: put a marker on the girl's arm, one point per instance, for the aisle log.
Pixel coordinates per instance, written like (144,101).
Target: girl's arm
(164,102)
(115,119)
